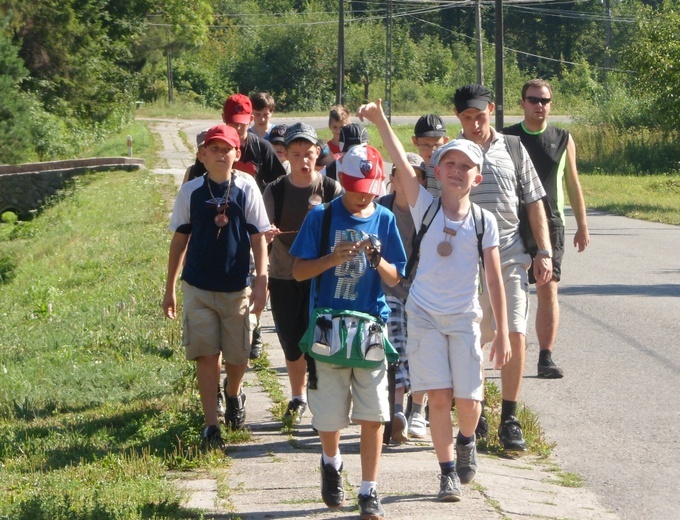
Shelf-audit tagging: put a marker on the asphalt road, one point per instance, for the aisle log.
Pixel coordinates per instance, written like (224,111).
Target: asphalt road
(615,416)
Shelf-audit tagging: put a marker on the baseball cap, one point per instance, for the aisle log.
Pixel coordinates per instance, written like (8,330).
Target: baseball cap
(416,161)
(362,170)
(276,134)
(430,125)
(237,109)
(352,134)
(472,96)
(223,133)
(200,137)
(300,131)
(472,150)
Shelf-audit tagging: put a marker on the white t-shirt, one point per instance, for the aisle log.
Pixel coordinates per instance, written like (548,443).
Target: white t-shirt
(449,284)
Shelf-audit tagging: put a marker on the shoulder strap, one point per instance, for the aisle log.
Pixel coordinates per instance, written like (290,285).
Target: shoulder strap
(323,241)
(327,188)
(278,189)
(387,200)
(514,147)
(427,220)
(478,218)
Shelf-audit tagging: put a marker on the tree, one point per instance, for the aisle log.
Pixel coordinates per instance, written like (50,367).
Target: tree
(654,55)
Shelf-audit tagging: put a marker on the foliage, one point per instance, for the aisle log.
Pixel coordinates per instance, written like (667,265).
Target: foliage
(654,53)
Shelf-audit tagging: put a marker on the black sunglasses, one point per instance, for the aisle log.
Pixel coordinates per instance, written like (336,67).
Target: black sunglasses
(536,100)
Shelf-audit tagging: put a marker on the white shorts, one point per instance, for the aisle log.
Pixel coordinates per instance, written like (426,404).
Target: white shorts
(339,387)
(445,352)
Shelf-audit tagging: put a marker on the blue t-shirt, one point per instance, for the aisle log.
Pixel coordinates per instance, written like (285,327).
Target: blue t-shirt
(219,262)
(352,285)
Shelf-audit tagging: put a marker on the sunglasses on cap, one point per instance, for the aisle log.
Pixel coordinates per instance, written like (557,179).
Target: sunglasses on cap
(536,100)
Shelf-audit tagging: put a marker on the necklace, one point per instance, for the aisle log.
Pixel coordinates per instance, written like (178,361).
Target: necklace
(445,248)
(221,206)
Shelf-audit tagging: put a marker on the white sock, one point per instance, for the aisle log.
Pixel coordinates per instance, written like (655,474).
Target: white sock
(336,461)
(302,398)
(366,486)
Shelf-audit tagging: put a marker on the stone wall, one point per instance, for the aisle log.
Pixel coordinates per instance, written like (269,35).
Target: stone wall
(26,187)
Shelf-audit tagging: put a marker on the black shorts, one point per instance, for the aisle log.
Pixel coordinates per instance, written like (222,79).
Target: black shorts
(557,242)
(290,308)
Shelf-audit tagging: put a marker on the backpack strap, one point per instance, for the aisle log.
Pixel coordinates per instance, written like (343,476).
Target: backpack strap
(327,188)
(514,146)
(425,225)
(278,188)
(480,224)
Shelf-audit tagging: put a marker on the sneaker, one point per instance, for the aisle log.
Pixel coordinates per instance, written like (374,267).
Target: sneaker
(211,438)
(482,430)
(256,344)
(510,435)
(549,370)
(466,462)
(399,427)
(235,416)
(332,491)
(370,507)
(449,488)
(296,408)
(417,426)
(221,409)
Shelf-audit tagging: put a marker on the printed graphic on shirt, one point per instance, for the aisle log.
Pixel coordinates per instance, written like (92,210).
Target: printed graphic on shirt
(349,272)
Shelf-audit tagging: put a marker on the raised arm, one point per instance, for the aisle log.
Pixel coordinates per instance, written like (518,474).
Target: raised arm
(373,112)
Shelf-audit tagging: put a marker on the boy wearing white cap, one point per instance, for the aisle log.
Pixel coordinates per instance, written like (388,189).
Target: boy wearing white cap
(443,347)
(364,250)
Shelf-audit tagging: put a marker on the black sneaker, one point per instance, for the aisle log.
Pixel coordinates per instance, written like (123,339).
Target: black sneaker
(332,491)
(482,430)
(235,417)
(449,488)
(549,370)
(510,435)
(256,344)
(466,462)
(211,438)
(370,507)
(296,408)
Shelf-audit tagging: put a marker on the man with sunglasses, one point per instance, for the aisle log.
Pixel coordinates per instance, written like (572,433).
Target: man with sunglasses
(553,152)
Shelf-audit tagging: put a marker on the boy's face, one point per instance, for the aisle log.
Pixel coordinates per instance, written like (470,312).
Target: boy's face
(241,129)
(335,127)
(457,172)
(536,104)
(280,150)
(427,145)
(261,117)
(302,157)
(218,157)
(358,203)
(476,123)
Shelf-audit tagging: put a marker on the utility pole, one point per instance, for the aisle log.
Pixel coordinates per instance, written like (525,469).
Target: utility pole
(608,39)
(171,95)
(388,65)
(340,92)
(480,51)
(500,64)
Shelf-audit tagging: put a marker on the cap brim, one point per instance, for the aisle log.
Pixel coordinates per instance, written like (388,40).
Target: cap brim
(432,133)
(224,140)
(479,104)
(357,185)
(239,119)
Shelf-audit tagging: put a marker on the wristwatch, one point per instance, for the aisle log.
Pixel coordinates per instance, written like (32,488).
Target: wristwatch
(545,252)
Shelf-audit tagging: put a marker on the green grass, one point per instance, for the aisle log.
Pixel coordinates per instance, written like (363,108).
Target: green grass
(143,144)
(97,402)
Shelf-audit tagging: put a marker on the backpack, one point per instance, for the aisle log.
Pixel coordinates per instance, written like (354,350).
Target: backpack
(278,189)
(514,146)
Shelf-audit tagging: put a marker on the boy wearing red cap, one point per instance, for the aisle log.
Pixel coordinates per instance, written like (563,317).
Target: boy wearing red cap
(217,219)
(365,249)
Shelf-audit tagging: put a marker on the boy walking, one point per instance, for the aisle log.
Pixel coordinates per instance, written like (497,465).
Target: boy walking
(216,221)
(365,250)
(288,200)
(444,340)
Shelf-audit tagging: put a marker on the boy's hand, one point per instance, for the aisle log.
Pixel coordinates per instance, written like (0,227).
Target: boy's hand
(271,234)
(258,294)
(345,251)
(500,352)
(373,112)
(169,305)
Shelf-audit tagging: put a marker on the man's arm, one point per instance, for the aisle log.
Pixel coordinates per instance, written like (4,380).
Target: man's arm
(582,236)
(374,113)
(258,296)
(178,248)
(539,228)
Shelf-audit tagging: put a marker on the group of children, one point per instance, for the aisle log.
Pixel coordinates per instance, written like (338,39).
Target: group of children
(265,217)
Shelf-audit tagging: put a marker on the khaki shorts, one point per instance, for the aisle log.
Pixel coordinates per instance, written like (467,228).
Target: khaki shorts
(516,284)
(339,387)
(444,351)
(216,322)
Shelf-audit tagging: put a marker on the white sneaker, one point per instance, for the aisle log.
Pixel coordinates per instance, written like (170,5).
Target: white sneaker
(417,426)
(399,426)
